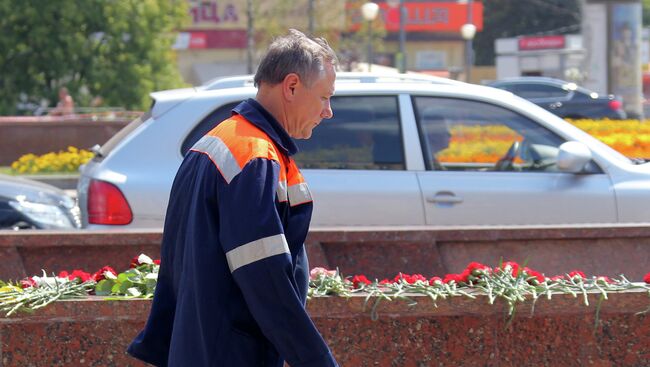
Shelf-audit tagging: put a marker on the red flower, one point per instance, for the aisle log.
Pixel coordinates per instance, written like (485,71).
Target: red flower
(476,267)
(63,274)
(410,279)
(27,283)
(557,278)
(100,274)
(157,262)
(536,276)
(82,275)
(134,262)
(577,273)
(385,281)
(418,277)
(646,278)
(455,277)
(360,279)
(435,281)
(513,265)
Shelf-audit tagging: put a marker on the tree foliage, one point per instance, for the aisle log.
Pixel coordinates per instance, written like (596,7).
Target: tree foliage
(511,18)
(119,50)
(273,18)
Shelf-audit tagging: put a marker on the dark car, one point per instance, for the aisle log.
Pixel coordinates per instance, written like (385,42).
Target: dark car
(29,204)
(565,99)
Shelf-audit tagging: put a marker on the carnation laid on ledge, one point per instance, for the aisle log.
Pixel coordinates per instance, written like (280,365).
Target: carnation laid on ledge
(509,281)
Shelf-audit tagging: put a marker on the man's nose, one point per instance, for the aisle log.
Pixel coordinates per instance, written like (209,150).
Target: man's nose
(327,112)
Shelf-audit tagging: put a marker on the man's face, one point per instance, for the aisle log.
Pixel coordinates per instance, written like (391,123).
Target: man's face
(312,104)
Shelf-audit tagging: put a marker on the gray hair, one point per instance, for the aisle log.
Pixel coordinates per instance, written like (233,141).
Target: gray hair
(295,53)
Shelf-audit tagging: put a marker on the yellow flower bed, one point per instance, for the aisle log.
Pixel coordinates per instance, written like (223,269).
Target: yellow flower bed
(61,162)
(486,144)
(630,137)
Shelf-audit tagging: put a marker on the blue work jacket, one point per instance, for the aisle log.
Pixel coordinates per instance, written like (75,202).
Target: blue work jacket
(234,274)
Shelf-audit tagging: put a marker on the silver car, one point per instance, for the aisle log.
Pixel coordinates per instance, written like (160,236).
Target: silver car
(29,204)
(400,150)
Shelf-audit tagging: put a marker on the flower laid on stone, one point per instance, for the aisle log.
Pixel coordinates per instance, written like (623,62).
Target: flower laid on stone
(38,291)
(509,281)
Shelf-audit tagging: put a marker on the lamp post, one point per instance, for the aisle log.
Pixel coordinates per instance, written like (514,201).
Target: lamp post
(399,4)
(310,15)
(369,11)
(468,31)
(249,37)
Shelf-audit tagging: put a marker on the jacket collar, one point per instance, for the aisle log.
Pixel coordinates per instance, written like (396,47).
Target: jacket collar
(260,117)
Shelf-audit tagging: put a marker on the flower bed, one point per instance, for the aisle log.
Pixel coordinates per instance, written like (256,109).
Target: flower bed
(54,162)
(486,144)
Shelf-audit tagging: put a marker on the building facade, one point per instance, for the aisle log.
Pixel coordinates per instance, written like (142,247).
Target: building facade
(216,43)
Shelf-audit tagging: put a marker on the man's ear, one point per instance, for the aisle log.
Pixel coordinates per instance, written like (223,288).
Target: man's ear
(289,85)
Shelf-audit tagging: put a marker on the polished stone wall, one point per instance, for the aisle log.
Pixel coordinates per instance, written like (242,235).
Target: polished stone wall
(377,252)
(458,332)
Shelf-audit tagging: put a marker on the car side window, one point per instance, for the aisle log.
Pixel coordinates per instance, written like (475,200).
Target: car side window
(465,135)
(363,134)
(206,125)
(530,91)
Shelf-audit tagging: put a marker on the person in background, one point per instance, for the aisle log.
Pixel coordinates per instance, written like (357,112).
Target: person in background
(65,106)
(234,275)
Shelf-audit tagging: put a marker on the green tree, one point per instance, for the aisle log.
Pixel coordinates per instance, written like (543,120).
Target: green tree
(511,18)
(119,50)
(274,18)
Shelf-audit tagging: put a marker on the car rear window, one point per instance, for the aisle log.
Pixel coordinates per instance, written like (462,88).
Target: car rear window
(106,149)
(364,134)
(206,125)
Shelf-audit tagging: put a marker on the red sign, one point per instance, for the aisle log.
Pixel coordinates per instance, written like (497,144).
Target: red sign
(541,43)
(198,40)
(211,39)
(441,17)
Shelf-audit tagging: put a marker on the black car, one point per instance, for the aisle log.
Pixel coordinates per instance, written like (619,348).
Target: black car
(29,204)
(563,98)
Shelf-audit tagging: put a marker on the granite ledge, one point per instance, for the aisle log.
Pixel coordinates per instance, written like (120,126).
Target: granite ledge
(121,236)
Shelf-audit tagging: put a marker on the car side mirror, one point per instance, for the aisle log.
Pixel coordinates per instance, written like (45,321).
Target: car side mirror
(573,156)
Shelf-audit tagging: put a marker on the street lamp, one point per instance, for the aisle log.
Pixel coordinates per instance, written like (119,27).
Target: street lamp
(468,31)
(250,42)
(369,11)
(401,64)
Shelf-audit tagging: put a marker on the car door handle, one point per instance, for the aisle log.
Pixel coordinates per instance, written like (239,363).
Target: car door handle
(555,105)
(446,197)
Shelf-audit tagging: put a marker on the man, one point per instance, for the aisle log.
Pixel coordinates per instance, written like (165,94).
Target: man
(65,106)
(234,275)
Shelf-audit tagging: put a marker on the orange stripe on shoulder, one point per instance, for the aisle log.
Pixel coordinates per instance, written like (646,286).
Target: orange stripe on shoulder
(245,141)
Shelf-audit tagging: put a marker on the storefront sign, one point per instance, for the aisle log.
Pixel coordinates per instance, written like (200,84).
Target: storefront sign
(216,14)
(441,17)
(210,39)
(541,43)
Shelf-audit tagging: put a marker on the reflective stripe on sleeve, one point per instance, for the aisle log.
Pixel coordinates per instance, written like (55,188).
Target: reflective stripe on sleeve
(257,250)
(219,153)
(299,194)
(282,191)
